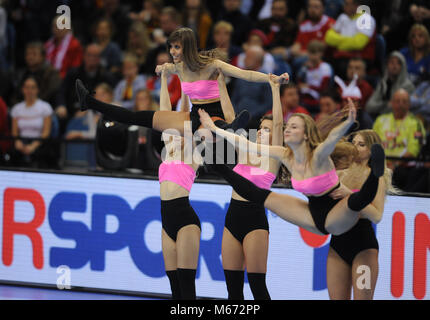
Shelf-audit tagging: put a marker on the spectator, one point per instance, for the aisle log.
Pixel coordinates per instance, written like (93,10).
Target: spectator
(314,77)
(150,15)
(83,125)
(169,22)
(222,33)
(259,39)
(63,50)
(401,132)
(351,91)
(357,66)
(253,96)
(91,73)
(148,139)
(125,91)
(411,12)
(314,28)
(349,39)
(173,82)
(290,101)
(279,29)
(139,43)
(31,119)
(417,54)
(420,100)
(395,77)
(118,14)
(110,56)
(242,24)
(330,102)
(196,17)
(48,79)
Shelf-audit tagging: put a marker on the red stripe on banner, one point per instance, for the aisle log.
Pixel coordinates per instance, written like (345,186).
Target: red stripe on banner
(398,254)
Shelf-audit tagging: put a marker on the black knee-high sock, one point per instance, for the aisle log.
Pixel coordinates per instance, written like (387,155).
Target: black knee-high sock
(242,186)
(187,283)
(257,282)
(174,284)
(359,200)
(234,280)
(120,114)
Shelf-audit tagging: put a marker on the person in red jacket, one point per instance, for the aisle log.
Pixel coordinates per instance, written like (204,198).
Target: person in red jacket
(173,82)
(63,50)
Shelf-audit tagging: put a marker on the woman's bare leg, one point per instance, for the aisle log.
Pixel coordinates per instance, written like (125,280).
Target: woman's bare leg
(187,246)
(293,210)
(338,277)
(368,261)
(256,248)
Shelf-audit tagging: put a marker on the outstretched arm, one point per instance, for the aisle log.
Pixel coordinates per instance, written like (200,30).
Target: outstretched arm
(248,75)
(326,148)
(165,104)
(278,117)
(227,107)
(276,152)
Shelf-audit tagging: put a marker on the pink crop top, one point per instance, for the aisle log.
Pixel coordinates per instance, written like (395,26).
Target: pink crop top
(317,184)
(177,172)
(201,89)
(261,178)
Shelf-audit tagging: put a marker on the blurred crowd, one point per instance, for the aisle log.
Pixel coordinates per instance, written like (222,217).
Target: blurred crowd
(332,49)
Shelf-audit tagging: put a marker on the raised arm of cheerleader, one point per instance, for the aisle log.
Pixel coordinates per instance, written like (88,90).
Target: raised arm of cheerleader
(248,75)
(226,105)
(165,104)
(276,152)
(278,117)
(326,148)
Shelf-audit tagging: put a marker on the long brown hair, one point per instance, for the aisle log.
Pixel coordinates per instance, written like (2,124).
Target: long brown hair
(311,131)
(194,60)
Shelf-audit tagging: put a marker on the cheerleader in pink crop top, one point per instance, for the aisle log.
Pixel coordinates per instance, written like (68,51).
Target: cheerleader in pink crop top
(246,228)
(304,152)
(177,172)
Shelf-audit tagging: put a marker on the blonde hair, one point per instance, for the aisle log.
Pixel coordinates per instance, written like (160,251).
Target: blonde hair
(423,29)
(370,138)
(344,154)
(223,25)
(144,42)
(312,133)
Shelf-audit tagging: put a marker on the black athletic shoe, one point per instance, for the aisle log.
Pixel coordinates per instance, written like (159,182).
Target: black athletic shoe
(377,160)
(82,93)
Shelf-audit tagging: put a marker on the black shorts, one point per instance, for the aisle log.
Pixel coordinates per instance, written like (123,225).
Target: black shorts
(213,109)
(177,213)
(361,237)
(243,217)
(320,207)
